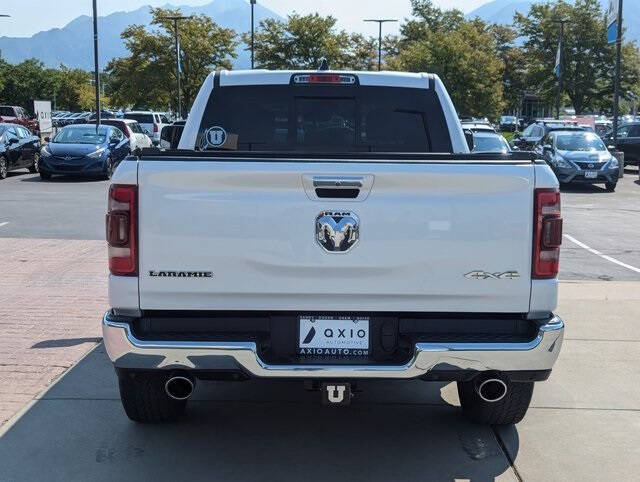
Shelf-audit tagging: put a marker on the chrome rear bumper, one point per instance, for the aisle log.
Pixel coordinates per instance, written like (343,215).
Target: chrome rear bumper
(126,351)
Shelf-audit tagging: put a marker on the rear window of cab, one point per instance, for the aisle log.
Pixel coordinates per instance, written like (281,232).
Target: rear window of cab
(323,118)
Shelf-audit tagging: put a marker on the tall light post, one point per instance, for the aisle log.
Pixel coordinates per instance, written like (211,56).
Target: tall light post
(253,3)
(616,82)
(96,72)
(175,19)
(380,21)
(562,22)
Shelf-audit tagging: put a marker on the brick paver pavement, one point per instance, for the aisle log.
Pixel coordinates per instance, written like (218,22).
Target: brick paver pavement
(52,295)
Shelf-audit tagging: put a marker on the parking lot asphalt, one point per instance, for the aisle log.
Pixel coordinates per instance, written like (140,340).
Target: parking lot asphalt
(67,422)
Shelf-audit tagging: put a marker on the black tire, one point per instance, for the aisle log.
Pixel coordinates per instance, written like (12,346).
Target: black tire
(144,399)
(107,175)
(611,186)
(3,168)
(45,176)
(511,409)
(36,164)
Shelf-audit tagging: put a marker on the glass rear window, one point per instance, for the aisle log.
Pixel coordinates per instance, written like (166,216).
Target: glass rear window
(80,136)
(324,118)
(7,112)
(142,118)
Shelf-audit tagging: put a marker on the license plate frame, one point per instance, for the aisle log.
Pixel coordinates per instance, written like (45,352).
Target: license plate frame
(590,174)
(350,337)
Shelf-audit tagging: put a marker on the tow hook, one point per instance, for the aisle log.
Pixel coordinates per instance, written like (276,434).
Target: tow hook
(335,393)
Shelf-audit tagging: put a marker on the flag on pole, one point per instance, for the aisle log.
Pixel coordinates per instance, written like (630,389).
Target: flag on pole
(613,17)
(558,67)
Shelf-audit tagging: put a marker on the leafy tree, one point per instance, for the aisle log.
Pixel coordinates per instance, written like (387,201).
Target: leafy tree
(147,77)
(301,41)
(462,52)
(588,59)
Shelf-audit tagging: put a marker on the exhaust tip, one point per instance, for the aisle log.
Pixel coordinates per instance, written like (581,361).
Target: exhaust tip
(179,388)
(492,390)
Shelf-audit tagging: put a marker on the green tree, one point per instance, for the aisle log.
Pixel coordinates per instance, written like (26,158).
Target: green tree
(147,78)
(588,59)
(462,52)
(301,41)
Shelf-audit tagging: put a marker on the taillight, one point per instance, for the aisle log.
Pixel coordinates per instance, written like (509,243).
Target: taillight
(344,79)
(547,233)
(155,127)
(122,230)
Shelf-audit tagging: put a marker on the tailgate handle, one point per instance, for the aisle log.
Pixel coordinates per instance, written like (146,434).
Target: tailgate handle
(337,187)
(337,182)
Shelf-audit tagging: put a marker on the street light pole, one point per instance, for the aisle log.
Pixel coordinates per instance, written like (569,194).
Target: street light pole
(95,58)
(175,19)
(616,88)
(561,65)
(253,3)
(380,21)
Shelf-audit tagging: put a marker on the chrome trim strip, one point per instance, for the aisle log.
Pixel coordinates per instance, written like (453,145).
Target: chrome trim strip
(126,351)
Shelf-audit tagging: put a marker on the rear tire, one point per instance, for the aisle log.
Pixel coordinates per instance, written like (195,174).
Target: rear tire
(510,410)
(107,175)
(3,168)
(145,400)
(45,176)
(36,164)
(611,186)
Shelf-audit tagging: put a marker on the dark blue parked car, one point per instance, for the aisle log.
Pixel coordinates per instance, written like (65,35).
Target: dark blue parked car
(80,150)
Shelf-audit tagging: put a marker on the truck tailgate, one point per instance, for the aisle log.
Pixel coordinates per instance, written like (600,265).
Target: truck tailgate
(433,237)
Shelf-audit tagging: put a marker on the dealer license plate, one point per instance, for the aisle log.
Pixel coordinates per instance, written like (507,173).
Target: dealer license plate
(591,174)
(333,336)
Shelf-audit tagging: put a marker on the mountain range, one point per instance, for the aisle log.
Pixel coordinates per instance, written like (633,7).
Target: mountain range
(72,45)
(502,11)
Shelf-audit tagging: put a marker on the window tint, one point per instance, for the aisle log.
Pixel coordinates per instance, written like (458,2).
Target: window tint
(7,112)
(135,127)
(527,132)
(634,131)
(142,118)
(623,131)
(165,120)
(325,118)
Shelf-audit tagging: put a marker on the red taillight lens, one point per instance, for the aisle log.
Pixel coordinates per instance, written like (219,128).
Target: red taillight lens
(155,127)
(122,230)
(547,233)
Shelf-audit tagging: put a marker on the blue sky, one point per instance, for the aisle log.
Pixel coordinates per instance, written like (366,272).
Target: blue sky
(31,16)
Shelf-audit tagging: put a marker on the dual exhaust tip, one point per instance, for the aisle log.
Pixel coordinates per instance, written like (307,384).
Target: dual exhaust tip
(179,387)
(491,389)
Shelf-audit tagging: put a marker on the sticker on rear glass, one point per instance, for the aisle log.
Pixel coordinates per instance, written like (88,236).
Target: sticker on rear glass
(215,136)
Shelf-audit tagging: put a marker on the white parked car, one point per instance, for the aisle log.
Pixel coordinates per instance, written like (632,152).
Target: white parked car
(151,122)
(138,139)
(331,227)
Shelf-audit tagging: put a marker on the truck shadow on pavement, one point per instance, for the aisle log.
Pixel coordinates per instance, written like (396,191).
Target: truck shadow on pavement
(253,431)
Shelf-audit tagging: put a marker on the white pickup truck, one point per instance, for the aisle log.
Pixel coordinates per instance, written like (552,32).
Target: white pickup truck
(331,227)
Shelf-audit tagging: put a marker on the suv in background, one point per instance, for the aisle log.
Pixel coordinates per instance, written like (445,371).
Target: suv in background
(17,115)
(628,142)
(508,123)
(151,122)
(532,136)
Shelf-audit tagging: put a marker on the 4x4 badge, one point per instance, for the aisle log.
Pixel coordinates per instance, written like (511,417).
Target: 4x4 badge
(485,275)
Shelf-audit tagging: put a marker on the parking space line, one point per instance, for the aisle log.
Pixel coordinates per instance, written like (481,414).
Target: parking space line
(603,256)
(4,224)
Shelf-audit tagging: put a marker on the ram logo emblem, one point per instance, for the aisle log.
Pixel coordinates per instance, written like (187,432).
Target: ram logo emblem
(337,231)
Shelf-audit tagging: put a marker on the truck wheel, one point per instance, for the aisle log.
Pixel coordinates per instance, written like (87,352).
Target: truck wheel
(611,186)
(509,410)
(45,176)
(145,400)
